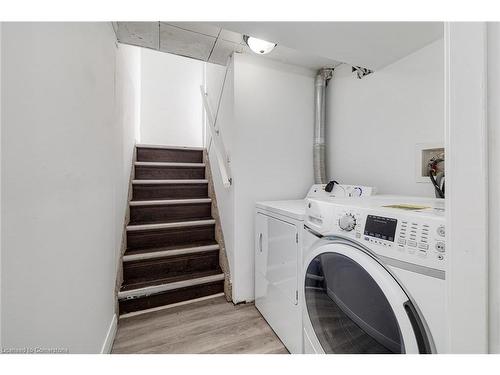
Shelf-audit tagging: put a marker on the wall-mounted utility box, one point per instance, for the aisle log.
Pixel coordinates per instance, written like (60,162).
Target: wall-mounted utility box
(424,152)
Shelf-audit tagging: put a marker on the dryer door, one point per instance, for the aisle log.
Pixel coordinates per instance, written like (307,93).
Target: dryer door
(354,305)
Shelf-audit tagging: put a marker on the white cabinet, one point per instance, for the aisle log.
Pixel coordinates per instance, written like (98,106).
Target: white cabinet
(277,256)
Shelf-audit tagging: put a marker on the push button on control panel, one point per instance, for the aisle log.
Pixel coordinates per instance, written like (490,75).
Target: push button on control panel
(412,243)
(423,246)
(440,246)
(440,231)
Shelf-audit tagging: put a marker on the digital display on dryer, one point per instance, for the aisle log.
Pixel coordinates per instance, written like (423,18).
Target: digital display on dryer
(381,227)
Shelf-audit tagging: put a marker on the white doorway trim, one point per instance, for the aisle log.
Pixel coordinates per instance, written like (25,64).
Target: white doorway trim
(466,186)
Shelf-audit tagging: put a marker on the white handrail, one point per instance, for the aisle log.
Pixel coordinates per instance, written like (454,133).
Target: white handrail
(216,139)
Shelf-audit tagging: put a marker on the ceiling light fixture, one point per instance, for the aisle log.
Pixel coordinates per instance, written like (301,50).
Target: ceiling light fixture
(259,46)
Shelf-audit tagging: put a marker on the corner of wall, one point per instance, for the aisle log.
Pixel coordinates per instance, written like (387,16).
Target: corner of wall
(107,345)
(138,103)
(493,87)
(1,25)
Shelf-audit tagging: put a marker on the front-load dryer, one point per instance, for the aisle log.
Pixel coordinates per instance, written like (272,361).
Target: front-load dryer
(373,276)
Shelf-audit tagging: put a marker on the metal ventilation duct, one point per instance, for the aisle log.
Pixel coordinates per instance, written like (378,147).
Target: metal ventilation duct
(319,147)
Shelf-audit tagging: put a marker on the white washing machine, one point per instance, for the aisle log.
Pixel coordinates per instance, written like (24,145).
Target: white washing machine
(373,276)
(279,230)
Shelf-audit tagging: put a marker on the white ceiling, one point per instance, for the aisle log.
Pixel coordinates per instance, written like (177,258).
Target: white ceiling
(205,41)
(313,45)
(143,34)
(371,45)
(201,41)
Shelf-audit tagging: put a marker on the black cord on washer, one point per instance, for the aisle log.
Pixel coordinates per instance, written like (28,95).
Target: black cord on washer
(432,169)
(329,186)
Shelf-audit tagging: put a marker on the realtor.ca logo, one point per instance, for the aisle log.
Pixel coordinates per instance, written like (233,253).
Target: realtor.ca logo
(35,350)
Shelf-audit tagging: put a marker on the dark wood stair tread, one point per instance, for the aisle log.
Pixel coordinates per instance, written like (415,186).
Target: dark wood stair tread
(170,181)
(169,171)
(169,211)
(170,220)
(176,224)
(168,164)
(170,297)
(172,247)
(168,280)
(143,191)
(169,237)
(169,154)
(167,202)
(145,270)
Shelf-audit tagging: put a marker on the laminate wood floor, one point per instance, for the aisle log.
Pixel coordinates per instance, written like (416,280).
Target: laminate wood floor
(210,326)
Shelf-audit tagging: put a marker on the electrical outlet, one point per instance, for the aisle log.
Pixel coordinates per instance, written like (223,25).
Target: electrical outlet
(424,152)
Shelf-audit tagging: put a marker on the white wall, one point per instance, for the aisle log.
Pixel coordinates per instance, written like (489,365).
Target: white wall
(128,90)
(1,25)
(63,183)
(272,149)
(466,164)
(493,47)
(374,124)
(171,107)
(127,108)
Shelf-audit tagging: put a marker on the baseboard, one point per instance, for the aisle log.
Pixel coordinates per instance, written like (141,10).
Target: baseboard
(110,336)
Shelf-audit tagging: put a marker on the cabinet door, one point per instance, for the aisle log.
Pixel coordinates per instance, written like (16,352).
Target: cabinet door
(282,257)
(277,255)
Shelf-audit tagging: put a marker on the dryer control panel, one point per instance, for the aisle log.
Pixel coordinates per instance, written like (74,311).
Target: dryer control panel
(416,236)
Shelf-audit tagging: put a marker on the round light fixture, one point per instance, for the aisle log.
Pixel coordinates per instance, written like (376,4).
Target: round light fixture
(259,46)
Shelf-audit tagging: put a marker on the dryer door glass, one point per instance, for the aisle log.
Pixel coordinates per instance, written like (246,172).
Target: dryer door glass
(347,309)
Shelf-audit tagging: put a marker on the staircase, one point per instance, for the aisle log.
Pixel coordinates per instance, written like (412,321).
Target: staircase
(172,255)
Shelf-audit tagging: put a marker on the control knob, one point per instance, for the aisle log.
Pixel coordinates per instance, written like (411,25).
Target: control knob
(356,192)
(347,222)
